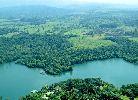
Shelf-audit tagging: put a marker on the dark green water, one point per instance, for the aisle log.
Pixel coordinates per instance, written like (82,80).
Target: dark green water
(18,80)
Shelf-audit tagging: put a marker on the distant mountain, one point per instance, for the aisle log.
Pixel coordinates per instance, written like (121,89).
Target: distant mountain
(21,11)
(41,10)
(95,6)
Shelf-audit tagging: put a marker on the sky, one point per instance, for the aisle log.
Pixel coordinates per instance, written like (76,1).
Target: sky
(63,2)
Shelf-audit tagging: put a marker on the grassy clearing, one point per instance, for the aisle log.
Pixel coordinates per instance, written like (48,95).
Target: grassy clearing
(80,31)
(39,29)
(124,98)
(90,42)
(134,39)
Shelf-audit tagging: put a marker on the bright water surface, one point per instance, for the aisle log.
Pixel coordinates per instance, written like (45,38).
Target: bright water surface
(18,80)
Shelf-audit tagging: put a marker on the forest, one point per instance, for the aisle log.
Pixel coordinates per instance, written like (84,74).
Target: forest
(56,41)
(87,89)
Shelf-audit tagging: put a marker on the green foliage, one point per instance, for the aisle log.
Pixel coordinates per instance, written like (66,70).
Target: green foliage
(127,49)
(55,42)
(78,89)
(89,42)
(36,51)
(80,31)
(85,89)
(130,90)
(56,53)
(134,39)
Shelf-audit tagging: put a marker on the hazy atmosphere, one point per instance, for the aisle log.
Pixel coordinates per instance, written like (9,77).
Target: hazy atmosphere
(63,2)
(68,49)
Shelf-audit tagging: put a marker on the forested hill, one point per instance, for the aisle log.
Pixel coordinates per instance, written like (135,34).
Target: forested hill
(32,11)
(43,11)
(87,89)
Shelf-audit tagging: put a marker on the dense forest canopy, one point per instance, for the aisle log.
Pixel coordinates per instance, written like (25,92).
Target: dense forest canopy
(87,89)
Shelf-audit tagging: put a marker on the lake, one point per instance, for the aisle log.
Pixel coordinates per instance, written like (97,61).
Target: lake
(18,80)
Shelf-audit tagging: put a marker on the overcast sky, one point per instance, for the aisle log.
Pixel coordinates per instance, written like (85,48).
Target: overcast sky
(63,2)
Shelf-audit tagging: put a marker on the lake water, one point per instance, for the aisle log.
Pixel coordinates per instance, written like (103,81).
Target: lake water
(18,80)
